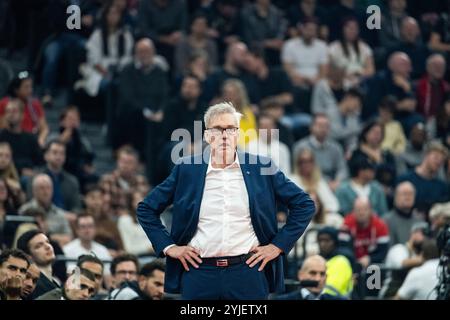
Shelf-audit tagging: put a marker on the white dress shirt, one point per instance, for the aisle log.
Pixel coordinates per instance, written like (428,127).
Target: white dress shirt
(74,249)
(224,227)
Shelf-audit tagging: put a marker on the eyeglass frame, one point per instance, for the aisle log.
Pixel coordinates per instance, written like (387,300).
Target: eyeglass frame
(236,129)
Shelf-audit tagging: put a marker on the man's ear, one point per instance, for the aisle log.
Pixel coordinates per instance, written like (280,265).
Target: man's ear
(207,137)
(141,282)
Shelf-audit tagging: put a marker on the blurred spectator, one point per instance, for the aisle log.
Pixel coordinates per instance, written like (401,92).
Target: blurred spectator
(307,175)
(79,153)
(440,34)
(432,89)
(263,23)
(109,49)
(411,45)
(403,216)
(267,82)
(78,286)
(9,205)
(275,109)
(370,234)
(324,149)
(149,286)
(95,266)
(439,126)
(429,188)
(346,123)
(165,22)
(84,242)
(142,95)
(344,9)
(361,184)
(124,268)
(439,216)
(339,268)
(184,109)
(269,145)
(13,269)
(394,139)
(352,54)
(415,148)
(66,189)
(234,91)
(304,60)
(124,180)
(421,281)
(30,282)
(8,171)
(391,21)
(329,91)
(234,67)
(303,9)
(107,233)
(314,269)
(25,148)
(197,40)
(33,121)
(58,224)
(135,240)
(36,244)
(369,146)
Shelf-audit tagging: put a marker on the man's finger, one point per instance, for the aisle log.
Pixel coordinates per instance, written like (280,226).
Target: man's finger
(263,264)
(253,257)
(254,263)
(183,262)
(192,262)
(196,257)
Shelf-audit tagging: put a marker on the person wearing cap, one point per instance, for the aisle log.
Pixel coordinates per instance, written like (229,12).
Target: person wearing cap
(361,184)
(429,188)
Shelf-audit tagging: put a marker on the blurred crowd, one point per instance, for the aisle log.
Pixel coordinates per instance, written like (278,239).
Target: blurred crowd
(362,119)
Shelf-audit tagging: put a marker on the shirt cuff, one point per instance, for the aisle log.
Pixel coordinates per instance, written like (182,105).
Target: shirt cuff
(167,248)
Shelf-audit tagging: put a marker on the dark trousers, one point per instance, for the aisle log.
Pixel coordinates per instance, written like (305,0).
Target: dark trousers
(236,282)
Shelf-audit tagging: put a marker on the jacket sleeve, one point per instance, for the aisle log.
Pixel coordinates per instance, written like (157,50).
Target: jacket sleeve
(150,209)
(301,209)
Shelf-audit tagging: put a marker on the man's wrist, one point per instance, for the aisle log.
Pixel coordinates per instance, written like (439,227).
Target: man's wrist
(167,248)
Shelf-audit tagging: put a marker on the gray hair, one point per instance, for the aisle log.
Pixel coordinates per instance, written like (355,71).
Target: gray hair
(220,109)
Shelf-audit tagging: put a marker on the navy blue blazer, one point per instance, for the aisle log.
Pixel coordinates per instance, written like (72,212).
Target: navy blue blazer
(184,189)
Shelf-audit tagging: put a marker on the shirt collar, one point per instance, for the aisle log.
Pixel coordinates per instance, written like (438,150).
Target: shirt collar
(235,164)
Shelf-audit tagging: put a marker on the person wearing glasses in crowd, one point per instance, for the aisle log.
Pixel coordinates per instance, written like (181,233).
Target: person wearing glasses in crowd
(224,242)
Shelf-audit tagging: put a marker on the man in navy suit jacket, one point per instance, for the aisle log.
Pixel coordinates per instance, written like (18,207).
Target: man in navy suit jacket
(224,218)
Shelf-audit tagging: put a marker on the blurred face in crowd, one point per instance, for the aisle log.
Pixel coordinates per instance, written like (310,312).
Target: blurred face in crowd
(86,229)
(434,160)
(326,244)
(153,286)
(305,163)
(237,54)
(125,271)
(55,156)
(145,52)
(374,137)
(127,164)
(410,30)
(362,211)
(405,194)
(436,66)
(83,291)
(267,124)
(12,275)
(199,27)
(416,240)
(231,94)
(397,5)
(43,190)
(120,4)
(5,156)
(366,175)
(113,17)
(25,90)
(314,268)
(94,201)
(351,30)
(97,270)
(418,136)
(190,89)
(399,63)
(41,250)
(31,278)
(350,105)
(13,113)
(222,144)
(308,31)
(308,7)
(71,119)
(320,128)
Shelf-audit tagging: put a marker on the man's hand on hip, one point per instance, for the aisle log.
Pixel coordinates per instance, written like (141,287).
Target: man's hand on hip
(185,254)
(264,254)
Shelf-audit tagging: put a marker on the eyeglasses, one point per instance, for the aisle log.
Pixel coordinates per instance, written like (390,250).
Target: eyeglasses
(219,131)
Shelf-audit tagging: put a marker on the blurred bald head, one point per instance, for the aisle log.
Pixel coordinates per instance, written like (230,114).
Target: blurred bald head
(362,210)
(314,268)
(145,52)
(236,53)
(399,63)
(43,189)
(436,66)
(410,30)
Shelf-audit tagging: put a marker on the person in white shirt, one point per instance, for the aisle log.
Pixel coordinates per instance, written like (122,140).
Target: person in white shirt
(85,244)
(420,283)
(269,145)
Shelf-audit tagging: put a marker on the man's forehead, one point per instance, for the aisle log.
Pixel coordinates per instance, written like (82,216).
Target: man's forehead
(224,120)
(16,262)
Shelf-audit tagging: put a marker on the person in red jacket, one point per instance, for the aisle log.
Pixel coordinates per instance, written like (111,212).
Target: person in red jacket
(369,232)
